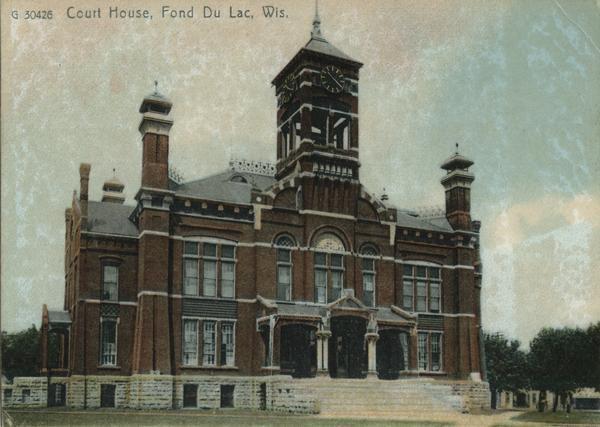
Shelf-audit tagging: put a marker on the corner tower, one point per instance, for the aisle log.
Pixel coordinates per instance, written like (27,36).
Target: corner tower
(317,115)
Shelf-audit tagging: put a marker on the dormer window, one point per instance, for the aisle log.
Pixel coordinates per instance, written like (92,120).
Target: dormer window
(239,178)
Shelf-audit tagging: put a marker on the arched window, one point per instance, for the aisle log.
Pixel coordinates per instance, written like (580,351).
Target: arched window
(284,267)
(329,268)
(368,254)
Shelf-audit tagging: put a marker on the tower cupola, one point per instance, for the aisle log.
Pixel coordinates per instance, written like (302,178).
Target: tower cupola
(155,127)
(457,185)
(112,190)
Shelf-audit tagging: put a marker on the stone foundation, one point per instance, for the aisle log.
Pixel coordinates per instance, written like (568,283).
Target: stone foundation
(26,392)
(278,393)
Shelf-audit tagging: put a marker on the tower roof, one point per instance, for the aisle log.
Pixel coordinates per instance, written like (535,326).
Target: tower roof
(156,98)
(456,161)
(317,44)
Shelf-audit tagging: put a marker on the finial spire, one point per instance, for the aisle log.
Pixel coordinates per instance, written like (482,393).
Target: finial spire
(316,31)
(457,148)
(155,87)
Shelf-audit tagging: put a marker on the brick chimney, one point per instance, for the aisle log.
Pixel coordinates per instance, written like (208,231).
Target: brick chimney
(84,179)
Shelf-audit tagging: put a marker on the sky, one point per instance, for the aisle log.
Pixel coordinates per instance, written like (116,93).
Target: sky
(515,83)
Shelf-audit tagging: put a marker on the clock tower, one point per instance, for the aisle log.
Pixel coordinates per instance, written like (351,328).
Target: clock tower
(317,115)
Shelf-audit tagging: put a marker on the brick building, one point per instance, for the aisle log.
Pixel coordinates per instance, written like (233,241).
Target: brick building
(263,270)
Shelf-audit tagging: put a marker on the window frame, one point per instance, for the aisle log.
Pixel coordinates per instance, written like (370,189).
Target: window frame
(416,283)
(105,266)
(284,245)
(202,258)
(369,253)
(330,270)
(102,353)
(227,363)
(183,342)
(205,354)
(428,344)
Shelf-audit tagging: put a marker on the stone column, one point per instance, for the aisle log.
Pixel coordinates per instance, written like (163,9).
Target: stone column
(372,338)
(323,353)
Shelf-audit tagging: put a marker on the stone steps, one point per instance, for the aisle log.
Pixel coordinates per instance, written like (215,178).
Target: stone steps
(356,397)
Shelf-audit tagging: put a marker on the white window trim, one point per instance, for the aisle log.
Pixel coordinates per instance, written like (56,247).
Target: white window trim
(200,357)
(233,324)
(289,264)
(428,351)
(183,341)
(218,259)
(428,280)
(373,273)
(117,321)
(214,364)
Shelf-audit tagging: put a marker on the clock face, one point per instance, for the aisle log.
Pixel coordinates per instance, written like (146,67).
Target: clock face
(332,79)
(288,88)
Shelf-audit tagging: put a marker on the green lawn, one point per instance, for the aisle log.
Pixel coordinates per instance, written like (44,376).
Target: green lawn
(575,417)
(187,418)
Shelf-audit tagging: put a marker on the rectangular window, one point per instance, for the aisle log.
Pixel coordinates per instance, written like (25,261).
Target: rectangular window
(227,279)
(321,285)
(209,343)
(209,250)
(337,280)
(25,395)
(190,342)
(108,350)
(368,266)
(436,351)
(284,274)
(423,356)
(210,278)
(434,296)
(190,277)
(228,251)
(407,294)
(190,395)
(227,344)
(190,248)
(110,282)
(284,282)
(421,296)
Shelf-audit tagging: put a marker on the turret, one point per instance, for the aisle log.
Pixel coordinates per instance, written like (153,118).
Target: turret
(155,127)
(457,184)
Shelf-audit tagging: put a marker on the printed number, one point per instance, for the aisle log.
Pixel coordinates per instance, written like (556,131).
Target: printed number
(38,14)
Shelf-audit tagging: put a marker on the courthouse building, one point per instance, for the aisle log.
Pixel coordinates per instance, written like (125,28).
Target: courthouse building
(202,292)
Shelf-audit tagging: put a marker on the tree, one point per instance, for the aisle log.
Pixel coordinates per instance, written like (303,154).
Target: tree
(507,367)
(20,353)
(560,361)
(593,333)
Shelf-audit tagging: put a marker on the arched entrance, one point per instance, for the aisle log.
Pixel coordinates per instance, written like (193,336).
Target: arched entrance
(298,354)
(347,350)
(390,354)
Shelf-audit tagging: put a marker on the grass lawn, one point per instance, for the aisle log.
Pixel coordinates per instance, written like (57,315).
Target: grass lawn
(576,417)
(237,418)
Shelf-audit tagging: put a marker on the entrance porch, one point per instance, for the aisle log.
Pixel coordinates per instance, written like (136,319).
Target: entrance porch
(343,339)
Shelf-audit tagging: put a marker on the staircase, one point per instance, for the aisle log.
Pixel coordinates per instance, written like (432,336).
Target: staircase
(364,397)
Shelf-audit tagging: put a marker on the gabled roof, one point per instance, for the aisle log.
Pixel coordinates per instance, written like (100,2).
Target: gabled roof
(110,218)
(220,187)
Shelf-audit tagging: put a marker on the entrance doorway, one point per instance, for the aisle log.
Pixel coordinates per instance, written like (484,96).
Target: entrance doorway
(390,354)
(298,356)
(347,347)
